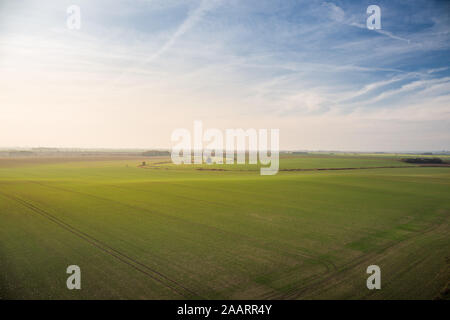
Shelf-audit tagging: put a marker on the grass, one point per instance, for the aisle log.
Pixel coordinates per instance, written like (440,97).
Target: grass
(173,232)
(294,162)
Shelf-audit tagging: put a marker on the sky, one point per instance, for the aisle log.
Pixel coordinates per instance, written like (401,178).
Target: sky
(137,70)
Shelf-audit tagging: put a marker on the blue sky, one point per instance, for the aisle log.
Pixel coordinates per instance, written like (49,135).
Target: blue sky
(137,70)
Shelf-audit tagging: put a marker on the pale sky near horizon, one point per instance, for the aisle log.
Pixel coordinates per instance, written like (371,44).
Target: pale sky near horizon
(139,69)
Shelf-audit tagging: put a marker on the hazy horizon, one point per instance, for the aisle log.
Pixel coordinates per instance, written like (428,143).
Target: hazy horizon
(2,148)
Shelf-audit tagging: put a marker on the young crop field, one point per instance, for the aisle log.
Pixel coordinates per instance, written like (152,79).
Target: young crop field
(162,231)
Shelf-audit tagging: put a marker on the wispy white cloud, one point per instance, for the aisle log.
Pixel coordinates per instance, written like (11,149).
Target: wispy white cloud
(414,86)
(193,17)
(132,74)
(337,14)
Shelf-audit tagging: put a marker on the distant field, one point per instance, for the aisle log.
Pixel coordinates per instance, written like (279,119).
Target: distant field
(172,232)
(291,162)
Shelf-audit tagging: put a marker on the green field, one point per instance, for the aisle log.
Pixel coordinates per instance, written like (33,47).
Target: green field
(173,232)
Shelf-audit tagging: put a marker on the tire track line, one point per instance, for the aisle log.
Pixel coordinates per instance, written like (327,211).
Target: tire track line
(328,264)
(152,273)
(364,258)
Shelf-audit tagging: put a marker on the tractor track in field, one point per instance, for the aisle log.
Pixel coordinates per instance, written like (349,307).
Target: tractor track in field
(327,264)
(148,271)
(295,293)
